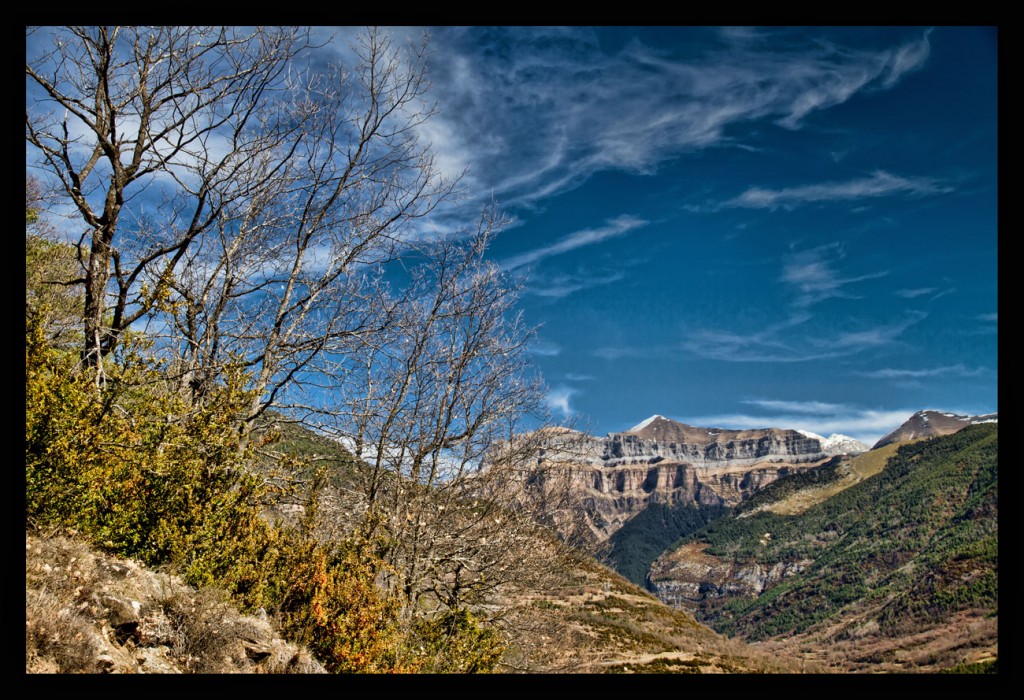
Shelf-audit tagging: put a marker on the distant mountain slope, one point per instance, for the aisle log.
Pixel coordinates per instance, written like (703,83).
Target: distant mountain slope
(895,573)
(930,423)
(662,461)
(633,548)
(597,622)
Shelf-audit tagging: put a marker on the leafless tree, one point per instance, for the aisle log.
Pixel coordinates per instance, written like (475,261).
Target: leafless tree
(435,408)
(250,205)
(119,110)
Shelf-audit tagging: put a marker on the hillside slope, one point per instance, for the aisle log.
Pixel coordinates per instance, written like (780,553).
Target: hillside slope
(89,612)
(897,572)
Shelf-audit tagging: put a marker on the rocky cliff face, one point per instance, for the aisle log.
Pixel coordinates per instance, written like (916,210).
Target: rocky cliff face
(664,461)
(688,578)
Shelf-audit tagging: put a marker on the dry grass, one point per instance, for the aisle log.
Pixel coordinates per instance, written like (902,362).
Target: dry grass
(87,612)
(601,623)
(852,471)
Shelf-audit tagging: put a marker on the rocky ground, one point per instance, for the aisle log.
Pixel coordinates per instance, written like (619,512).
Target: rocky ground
(86,612)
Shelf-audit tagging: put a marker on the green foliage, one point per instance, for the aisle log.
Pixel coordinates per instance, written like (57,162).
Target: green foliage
(51,268)
(455,641)
(790,483)
(920,537)
(327,600)
(305,454)
(140,472)
(975,668)
(634,547)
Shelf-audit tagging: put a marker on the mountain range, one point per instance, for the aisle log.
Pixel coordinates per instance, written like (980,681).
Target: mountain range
(761,551)
(662,461)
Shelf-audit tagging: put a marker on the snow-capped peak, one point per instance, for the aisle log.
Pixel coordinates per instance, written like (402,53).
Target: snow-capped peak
(643,424)
(836,444)
(842,444)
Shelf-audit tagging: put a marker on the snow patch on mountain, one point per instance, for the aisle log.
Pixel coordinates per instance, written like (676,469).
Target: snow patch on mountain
(643,424)
(836,444)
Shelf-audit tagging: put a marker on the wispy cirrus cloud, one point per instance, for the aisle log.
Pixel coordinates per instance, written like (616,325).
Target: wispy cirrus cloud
(536,111)
(878,184)
(856,341)
(777,343)
(957,370)
(814,274)
(613,228)
(544,348)
(562,285)
(618,352)
(914,293)
(823,418)
(764,345)
(989,324)
(813,407)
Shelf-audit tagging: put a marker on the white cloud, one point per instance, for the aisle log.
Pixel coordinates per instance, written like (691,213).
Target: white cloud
(562,285)
(545,348)
(816,407)
(619,352)
(879,184)
(552,106)
(957,370)
(772,345)
(989,318)
(912,293)
(558,398)
(866,425)
(813,273)
(614,228)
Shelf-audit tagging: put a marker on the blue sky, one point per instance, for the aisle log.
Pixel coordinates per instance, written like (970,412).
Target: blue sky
(739,227)
(734,227)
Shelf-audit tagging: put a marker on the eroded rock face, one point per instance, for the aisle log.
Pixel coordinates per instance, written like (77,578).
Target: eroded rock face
(690,579)
(732,447)
(664,461)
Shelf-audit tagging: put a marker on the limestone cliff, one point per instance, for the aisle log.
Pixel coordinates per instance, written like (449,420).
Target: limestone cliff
(688,576)
(664,461)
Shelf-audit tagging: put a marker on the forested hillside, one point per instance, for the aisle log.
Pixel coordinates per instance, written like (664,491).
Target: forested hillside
(909,552)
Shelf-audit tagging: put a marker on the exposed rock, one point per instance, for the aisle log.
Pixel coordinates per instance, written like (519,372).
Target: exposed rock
(688,576)
(87,612)
(664,461)
(925,424)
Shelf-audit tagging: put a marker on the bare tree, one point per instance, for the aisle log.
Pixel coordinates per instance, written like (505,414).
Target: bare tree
(435,407)
(118,110)
(273,190)
(273,198)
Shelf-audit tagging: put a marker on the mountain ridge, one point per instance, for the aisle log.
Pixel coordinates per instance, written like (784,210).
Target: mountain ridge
(932,423)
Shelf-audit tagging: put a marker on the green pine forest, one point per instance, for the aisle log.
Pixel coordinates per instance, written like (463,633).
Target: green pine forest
(918,542)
